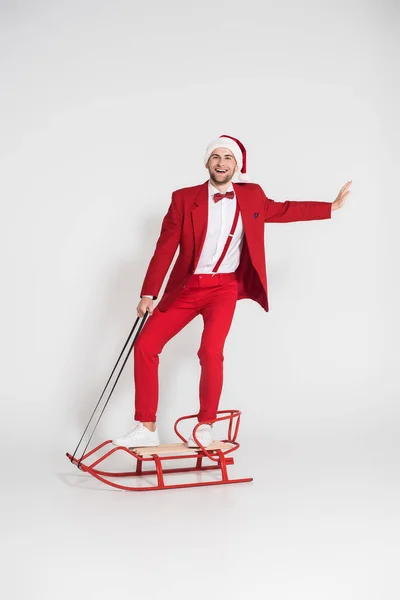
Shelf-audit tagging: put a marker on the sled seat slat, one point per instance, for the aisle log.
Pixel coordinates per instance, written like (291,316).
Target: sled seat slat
(180,448)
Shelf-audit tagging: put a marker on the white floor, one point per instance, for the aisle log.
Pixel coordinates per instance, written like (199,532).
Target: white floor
(320,521)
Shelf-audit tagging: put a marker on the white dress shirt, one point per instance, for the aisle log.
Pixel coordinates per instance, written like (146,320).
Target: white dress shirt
(220,219)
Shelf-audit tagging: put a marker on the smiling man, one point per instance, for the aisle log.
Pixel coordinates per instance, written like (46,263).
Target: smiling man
(219,229)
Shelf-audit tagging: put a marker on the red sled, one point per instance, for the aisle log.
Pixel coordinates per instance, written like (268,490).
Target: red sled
(216,452)
(158,455)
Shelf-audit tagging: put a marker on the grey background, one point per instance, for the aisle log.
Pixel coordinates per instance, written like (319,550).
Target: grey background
(106,108)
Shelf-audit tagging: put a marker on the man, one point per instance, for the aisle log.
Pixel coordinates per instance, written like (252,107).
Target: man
(219,228)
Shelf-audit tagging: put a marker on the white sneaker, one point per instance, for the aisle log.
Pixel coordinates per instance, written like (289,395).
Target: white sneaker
(204,434)
(138,437)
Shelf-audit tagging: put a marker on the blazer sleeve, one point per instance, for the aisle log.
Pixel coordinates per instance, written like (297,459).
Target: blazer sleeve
(167,243)
(289,211)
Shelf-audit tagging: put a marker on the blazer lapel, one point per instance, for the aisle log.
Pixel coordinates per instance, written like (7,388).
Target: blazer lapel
(199,220)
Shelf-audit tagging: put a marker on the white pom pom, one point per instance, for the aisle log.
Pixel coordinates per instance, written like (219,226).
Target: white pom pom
(243,177)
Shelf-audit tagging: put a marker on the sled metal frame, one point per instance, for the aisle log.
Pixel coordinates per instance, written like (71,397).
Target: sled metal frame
(217,453)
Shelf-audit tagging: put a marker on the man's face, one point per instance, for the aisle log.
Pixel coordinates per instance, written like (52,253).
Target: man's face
(221,165)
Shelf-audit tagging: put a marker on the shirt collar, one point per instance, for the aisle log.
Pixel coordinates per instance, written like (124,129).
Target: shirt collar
(212,190)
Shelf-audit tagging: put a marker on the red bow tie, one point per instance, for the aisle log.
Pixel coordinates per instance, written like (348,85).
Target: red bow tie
(218,197)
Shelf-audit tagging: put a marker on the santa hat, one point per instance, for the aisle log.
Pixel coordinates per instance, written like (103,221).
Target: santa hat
(237,149)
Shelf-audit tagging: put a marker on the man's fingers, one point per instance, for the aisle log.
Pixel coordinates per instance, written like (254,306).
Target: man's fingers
(346,185)
(343,194)
(141,313)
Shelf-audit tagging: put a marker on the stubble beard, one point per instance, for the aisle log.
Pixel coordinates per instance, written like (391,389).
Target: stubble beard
(220,181)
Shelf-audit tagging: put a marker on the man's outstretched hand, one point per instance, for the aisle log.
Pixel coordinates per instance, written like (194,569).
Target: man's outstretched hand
(145,304)
(345,191)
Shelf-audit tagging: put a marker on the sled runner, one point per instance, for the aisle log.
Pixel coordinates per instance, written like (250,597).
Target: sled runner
(155,457)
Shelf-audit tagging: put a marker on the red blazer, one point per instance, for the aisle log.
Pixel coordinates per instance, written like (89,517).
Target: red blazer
(185,225)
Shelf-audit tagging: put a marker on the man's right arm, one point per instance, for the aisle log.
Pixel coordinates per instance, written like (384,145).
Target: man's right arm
(166,246)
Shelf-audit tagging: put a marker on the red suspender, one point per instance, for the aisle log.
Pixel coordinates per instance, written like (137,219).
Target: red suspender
(228,241)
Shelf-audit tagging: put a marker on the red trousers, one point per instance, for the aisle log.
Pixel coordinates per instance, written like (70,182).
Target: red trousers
(212,296)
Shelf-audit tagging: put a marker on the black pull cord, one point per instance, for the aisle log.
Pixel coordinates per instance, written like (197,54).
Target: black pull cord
(112,389)
(108,381)
(105,387)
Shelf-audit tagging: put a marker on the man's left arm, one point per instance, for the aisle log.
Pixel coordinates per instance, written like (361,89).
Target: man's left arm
(309,210)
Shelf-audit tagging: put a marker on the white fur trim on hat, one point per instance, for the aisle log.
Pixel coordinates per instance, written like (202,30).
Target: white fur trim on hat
(223,142)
